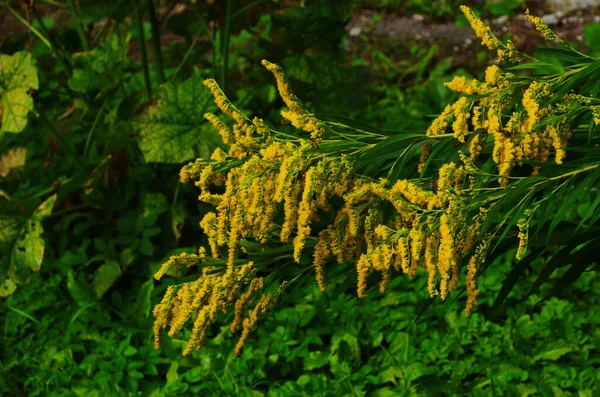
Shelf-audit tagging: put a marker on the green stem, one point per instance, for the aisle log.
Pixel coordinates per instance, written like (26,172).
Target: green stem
(79,26)
(142,45)
(89,137)
(53,46)
(225,33)
(60,138)
(30,27)
(246,8)
(156,41)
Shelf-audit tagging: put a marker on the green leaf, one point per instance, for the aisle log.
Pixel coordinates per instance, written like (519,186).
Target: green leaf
(101,69)
(17,77)
(591,32)
(554,354)
(315,360)
(28,249)
(155,204)
(143,302)
(105,277)
(79,290)
(174,130)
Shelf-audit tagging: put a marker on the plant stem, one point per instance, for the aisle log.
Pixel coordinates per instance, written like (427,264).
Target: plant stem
(30,27)
(60,138)
(89,137)
(225,33)
(53,46)
(156,41)
(79,26)
(246,8)
(142,45)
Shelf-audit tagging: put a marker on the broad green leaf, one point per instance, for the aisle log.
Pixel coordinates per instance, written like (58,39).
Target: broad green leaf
(28,250)
(17,76)
(102,68)
(105,276)
(174,130)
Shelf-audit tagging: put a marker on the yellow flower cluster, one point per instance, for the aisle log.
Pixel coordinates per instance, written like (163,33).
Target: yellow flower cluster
(297,114)
(277,192)
(484,33)
(543,28)
(202,299)
(480,113)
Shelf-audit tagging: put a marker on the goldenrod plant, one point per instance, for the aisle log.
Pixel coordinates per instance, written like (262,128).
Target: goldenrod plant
(499,169)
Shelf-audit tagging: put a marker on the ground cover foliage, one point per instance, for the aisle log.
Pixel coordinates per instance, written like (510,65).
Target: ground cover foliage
(101,113)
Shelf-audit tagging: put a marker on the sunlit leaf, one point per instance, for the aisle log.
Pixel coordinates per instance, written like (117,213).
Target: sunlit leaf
(174,130)
(18,75)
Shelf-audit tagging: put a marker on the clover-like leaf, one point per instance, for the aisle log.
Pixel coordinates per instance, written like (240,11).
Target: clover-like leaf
(17,76)
(174,130)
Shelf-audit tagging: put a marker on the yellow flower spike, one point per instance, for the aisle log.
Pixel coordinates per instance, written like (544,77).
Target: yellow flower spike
(531,106)
(430,264)
(471,283)
(320,257)
(224,131)
(255,285)
(362,269)
(209,225)
(290,210)
(402,261)
(261,308)
(493,75)
(305,211)
(446,176)
(557,142)
(201,324)
(416,237)
(463,85)
(446,254)
(177,261)
(523,226)
(186,296)
(224,104)
(481,29)
(335,241)
(596,114)
(203,181)
(541,27)
(161,314)
(460,126)
(425,151)
(438,126)
(283,178)
(369,226)
(386,258)
(283,86)
(235,234)
(306,122)
(261,127)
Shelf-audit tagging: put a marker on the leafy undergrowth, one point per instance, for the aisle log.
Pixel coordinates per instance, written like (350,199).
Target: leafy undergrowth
(57,340)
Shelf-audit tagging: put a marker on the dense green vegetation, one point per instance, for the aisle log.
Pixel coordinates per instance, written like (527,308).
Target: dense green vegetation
(102,105)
